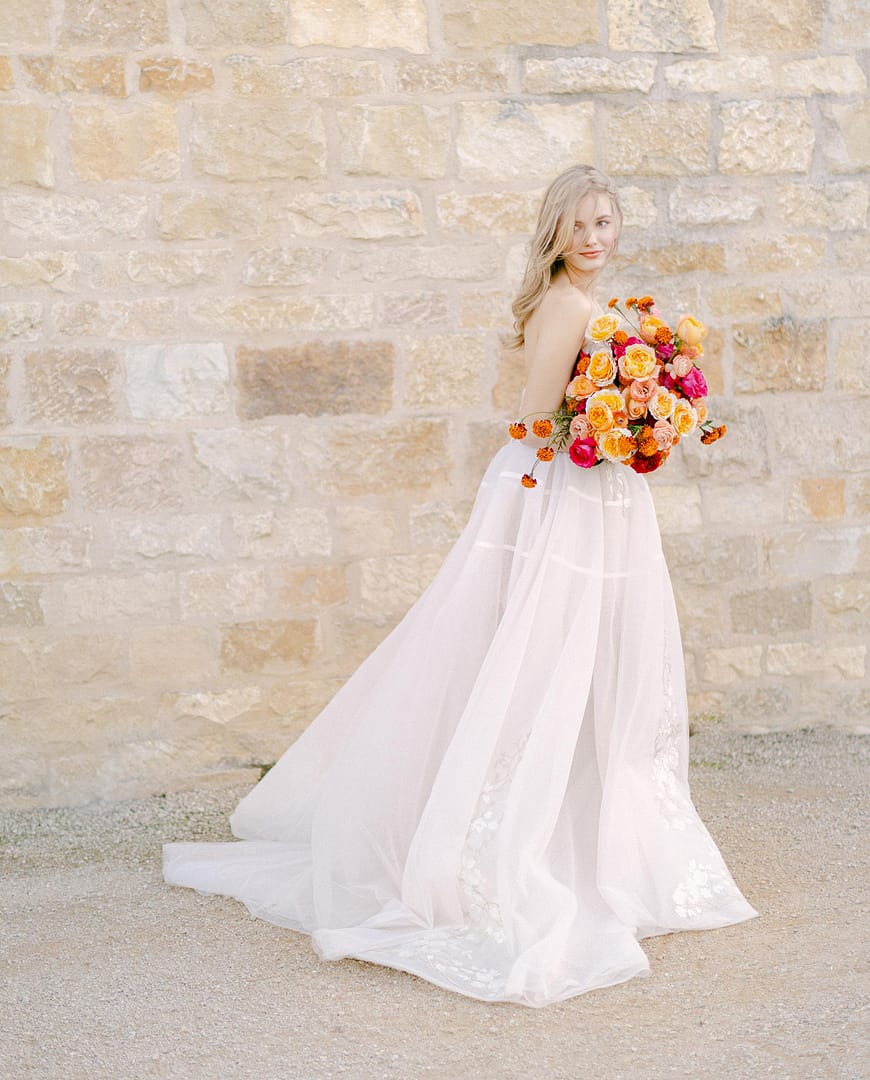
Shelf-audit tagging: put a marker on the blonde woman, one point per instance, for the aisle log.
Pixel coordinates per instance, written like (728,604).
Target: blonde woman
(497,799)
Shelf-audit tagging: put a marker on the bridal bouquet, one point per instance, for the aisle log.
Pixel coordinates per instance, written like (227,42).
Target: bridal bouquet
(632,397)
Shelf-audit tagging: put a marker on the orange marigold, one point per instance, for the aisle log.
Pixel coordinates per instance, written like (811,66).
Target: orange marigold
(645,303)
(663,336)
(647,446)
(631,301)
(546,453)
(518,431)
(542,428)
(613,301)
(620,337)
(528,481)
(713,434)
(582,365)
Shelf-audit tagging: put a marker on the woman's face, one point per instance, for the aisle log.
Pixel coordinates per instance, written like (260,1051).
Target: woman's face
(596,231)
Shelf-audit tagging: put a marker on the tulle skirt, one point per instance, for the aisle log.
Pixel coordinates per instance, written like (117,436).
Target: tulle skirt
(497,799)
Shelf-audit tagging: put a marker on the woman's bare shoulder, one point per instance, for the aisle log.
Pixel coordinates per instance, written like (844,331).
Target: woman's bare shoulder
(569,303)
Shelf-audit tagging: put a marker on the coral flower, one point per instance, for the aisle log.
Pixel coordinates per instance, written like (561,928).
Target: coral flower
(542,428)
(528,481)
(518,431)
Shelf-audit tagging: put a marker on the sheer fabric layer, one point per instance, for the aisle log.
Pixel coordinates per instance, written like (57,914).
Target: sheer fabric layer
(497,800)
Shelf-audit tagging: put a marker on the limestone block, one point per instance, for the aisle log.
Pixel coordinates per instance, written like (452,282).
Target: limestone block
(242,314)
(443,75)
(5,363)
(423,308)
(214,216)
(300,533)
(662,138)
(391,584)
(702,612)
(678,507)
(33,476)
(217,23)
(490,23)
(376,458)
(356,636)
(783,253)
(174,76)
(738,76)
(671,26)
(483,438)
(284,266)
(358,215)
(133,24)
(834,423)
(850,357)
(251,141)
(131,472)
(143,317)
(365,530)
(817,497)
(25,154)
(7,79)
(269,646)
(779,25)
(316,378)
(651,258)
(844,601)
(47,549)
(171,655)
(639,209)
(134,540)
(807,658)
(772,610)
(847,133)
(743,506)
(741,455)
(169,382)
(732,664)
(60,74)
(216,706)
(223,592)
(587,75)
(76,216)
(692,203)
(108,598)
(510,379)
(366,24)
(823,75)
(492,213)
(710,559)
(110,145)
(445,372)
(56,269)
(394,140)
(20,321)
(311,588)
(114,270)
(836,206)
(513,139)
(765,137)
(20,674)
(26,24)
(451,262)
(437,524)
(780,354)
(20,604)
(773,706)
(848,22)
(315,77)
(244,464)
(745,301)
(485,310)
(71,386)
(820,549)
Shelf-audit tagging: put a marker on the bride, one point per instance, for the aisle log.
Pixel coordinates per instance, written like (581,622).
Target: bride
(497,799)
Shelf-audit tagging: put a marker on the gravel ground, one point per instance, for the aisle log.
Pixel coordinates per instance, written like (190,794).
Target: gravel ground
(109,972)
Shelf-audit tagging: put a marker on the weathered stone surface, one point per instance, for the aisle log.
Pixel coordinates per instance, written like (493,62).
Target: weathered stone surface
(110,145)
(835,206)
(71,386)
(114,23)
(675,258)
(781,253)
(311,588)
(844,602)
(56,269)
(207,216)
(745,300)
(26,156)
(174,76)
(394,140)
(115,270)
(316,378)
(223,592)
(445,372)
(513,139)
(491,23)
(145,317)
(359,215)
(833,423)
(66,216)
(251,141)
(48,549)
(322,313)
(300,533)
(7,79)
(817,549)
(97,658)
(214,23)
(453,262)
(367,24)
(284,266)
(671,26)
(784,25)
(315,77)
(131,472)
(59,74)
(667,138)
(806,658)
(134,540)
(108,598)
(20,604)
(850,358)
(436,524)
(732,664)
(848,21)
(269,646)
(693,203)
(639,210)
(392,584)
(365,530)
(429,309)
(741,455)
(246,464)
(737,76)
(356,635)
(169,382)
(823,75)
(383,458)
(847,134)
(485,310)
(708,559)
(26,24)
(5,362)
(779,354)
(20,321)
(172,655)
(772,610)
(33,476)
(737,504)
(587,74)
(497,212)
(821,498)
(216,706)
(678,508)
(443,75)
(765,137)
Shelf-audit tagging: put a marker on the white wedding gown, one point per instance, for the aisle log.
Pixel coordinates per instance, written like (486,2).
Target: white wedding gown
(497,800)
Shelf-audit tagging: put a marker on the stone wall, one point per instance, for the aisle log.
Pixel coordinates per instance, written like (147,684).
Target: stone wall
(257,261)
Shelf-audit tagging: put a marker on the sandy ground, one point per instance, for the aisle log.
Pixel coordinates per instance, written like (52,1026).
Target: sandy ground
(109,972)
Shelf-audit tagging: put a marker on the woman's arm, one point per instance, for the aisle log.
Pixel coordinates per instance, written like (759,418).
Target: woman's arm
(550,366)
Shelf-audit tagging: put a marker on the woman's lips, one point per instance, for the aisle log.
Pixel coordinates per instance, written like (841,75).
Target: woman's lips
(590,254)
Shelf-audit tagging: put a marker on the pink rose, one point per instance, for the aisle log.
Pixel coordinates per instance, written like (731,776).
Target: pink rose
(583,452)
(694,383)
(681,366)
(665,351)
(580,426)
(667,380)
(642,389)
(664,434)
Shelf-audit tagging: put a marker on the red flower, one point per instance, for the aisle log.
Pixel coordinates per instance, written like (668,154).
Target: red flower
(583,452)
(642,464)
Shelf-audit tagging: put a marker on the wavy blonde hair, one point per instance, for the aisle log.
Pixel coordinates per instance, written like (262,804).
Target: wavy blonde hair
(554,236)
